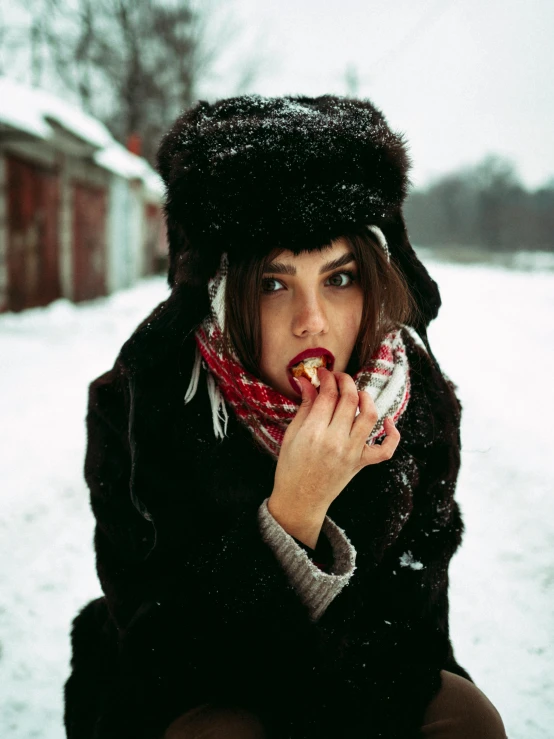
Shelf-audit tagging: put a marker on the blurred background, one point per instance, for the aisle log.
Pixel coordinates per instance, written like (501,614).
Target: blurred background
(86,90)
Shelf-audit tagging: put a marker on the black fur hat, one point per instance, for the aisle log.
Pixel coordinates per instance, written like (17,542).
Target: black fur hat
(249,173)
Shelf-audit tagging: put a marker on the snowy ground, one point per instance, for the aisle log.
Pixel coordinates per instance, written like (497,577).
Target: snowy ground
(494,337)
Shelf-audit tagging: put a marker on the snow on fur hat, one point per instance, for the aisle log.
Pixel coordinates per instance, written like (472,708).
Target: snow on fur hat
(249,173)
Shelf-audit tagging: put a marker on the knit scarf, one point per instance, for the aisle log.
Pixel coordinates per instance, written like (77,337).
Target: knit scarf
(265,411)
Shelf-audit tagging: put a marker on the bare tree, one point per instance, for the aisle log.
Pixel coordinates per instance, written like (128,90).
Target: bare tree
(14,35)
(129,62)
(483,206)
(134,65)
(500,202)
(352,80)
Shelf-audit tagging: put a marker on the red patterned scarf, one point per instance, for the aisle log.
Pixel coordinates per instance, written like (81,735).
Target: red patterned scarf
(265,411)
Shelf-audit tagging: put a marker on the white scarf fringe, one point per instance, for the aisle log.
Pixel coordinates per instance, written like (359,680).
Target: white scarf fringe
(219,409)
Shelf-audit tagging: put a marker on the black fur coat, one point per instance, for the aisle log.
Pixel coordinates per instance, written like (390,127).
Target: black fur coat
(196,607)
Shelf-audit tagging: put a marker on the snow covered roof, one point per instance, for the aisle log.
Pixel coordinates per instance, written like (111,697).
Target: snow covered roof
(119,160)
(32,110)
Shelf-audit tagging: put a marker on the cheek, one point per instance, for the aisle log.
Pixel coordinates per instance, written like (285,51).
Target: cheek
(352,319)
(269,323)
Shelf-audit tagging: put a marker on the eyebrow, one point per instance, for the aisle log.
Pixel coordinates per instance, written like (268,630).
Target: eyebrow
(279,268)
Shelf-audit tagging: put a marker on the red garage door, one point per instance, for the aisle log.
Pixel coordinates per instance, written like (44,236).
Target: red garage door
(89,241)
(33,244)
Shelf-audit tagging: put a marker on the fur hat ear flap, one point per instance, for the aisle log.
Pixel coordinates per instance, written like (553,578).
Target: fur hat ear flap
(424,289)
(189,267)
(178,271)
(188,264)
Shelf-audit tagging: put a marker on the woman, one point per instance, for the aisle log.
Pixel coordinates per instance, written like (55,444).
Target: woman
(274,557)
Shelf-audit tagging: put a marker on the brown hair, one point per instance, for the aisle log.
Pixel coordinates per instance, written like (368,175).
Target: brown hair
(388,302)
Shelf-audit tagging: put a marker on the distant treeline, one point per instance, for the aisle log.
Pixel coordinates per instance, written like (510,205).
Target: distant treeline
(484,206)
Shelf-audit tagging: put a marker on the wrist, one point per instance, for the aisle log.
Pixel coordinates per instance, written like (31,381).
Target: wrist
(298,521)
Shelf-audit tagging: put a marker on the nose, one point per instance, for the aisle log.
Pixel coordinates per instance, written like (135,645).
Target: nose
(310,317)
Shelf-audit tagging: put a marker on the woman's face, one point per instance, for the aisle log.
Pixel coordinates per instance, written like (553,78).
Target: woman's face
(309,301)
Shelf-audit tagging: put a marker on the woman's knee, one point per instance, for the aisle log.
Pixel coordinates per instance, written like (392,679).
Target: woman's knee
(461,709)
(214,722)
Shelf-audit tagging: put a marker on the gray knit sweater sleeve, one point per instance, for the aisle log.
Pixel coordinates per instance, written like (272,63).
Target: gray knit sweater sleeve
(315,588)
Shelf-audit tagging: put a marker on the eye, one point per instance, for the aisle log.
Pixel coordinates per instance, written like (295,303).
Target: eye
(265,281)
(350,275)
(269,282)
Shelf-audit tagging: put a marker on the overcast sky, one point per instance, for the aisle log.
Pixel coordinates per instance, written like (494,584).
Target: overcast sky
(461,79)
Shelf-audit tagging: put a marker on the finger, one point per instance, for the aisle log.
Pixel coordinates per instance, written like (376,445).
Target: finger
(380,453)
(308,395)
(365,421)
(345,411)
(327,398)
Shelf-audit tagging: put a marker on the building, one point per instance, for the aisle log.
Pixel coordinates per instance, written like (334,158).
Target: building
(80,215)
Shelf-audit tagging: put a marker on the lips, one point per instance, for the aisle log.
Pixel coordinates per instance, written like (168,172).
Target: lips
(317,351)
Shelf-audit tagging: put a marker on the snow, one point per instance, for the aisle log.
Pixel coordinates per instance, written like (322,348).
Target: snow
(407,560)
(117,159)
(494,337)
(30,109)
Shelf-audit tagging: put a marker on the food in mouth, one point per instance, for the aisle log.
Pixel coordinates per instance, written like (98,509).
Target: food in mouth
(308,368)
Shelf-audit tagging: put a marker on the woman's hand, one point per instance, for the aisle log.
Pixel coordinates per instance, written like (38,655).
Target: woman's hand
(324,447)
